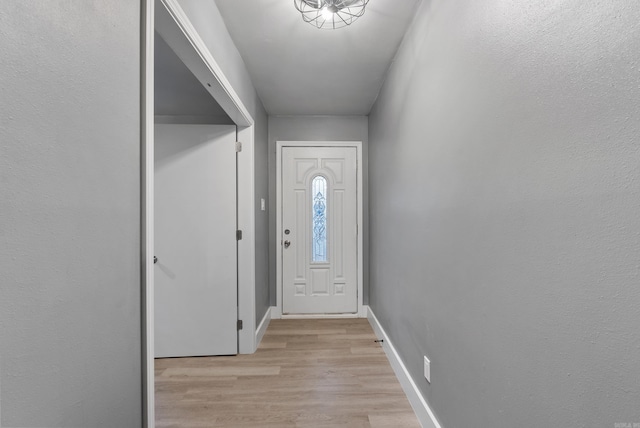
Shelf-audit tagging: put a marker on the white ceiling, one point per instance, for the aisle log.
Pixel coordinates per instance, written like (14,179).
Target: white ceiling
(299,69)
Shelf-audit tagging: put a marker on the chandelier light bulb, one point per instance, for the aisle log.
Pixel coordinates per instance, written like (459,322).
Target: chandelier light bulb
(330,14)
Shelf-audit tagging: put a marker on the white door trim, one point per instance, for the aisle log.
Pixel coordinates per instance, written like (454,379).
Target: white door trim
(176,29)
(277,310)
(146,235)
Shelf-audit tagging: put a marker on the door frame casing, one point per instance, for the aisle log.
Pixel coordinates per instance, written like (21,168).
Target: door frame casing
(192,50)
(277,310)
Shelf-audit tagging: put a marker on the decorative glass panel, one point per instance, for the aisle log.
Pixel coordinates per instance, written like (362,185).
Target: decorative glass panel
(319,222)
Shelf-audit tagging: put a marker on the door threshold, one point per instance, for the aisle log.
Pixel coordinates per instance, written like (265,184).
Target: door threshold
(319,316)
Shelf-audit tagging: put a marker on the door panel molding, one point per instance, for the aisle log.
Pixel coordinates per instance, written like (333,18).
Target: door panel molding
(277,310)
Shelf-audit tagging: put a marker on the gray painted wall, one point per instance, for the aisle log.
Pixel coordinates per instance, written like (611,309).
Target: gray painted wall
(505,201)
(179,97)
(261,177)
(70,214)
(315,128)
(206,19)
(263,298)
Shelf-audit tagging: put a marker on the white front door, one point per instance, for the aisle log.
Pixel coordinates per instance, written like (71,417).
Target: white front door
(196,295)
(319,230)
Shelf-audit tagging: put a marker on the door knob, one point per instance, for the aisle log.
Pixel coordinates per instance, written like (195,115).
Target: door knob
(286,244)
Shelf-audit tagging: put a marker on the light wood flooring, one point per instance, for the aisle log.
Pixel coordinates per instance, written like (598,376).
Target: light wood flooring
(306,373)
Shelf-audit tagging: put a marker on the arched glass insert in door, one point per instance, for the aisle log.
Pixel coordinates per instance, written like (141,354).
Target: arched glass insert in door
(319,220)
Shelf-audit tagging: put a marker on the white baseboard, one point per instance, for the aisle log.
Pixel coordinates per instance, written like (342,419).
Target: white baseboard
(423,412)
(277,314)
(262,328)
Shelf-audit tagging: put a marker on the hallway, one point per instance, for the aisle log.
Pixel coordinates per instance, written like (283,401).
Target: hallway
(498,235)
(306,373)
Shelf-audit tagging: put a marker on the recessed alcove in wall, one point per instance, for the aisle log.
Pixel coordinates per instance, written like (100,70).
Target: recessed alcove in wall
(180,98)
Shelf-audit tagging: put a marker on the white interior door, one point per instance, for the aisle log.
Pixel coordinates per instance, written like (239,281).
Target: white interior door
(195,242)
(319,230)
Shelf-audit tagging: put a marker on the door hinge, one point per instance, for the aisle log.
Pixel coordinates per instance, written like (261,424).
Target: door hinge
(238,146)
(238,235)
(239,324)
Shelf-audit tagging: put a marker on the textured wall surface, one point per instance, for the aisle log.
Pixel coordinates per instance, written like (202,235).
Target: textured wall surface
(314,128)
(505,210)
(206,19)
(263,298)
(70,214)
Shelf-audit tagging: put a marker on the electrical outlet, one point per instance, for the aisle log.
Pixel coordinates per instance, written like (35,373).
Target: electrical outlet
(262,204)
(427,369)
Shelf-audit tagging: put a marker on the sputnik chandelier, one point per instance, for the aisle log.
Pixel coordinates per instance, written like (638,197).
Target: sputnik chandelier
(330,14)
